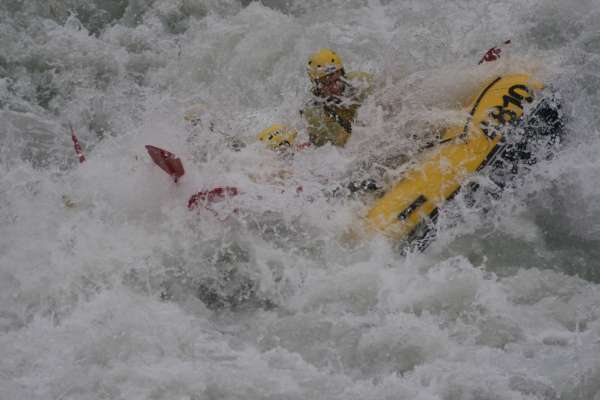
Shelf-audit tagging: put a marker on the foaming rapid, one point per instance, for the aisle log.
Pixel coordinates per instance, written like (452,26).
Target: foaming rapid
(111,288)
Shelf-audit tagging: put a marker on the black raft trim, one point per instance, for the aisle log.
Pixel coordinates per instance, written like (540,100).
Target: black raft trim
(471,113)
(411,208)
(490,156)
(476,105)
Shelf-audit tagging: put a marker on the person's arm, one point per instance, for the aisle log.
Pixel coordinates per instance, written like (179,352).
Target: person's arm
(363,82)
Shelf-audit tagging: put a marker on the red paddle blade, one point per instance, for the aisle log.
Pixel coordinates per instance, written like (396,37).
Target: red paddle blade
(167,161)
(212,196)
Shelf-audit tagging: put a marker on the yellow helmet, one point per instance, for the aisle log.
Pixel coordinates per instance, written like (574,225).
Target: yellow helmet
(323,63)
(278,135)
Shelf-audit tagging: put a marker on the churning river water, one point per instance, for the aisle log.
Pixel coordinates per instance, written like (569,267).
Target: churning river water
(110,288)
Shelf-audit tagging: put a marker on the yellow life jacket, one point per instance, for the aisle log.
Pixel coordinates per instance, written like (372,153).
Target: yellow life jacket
(330,120)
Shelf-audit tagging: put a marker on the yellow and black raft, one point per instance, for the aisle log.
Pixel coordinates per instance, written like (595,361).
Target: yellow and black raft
(411,205)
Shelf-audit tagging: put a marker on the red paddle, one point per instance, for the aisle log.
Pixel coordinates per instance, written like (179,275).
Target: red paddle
(212,196)
(76,144)
(493,54)
(167,161)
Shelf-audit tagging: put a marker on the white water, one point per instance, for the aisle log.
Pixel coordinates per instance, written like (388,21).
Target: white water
(503,305)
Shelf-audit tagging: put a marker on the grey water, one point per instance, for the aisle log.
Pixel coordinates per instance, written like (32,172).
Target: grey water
(110,288)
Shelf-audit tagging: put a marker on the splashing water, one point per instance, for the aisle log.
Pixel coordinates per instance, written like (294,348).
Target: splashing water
(111,288)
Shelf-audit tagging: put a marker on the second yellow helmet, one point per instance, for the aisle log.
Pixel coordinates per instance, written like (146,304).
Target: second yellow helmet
(323,63)
(278,135)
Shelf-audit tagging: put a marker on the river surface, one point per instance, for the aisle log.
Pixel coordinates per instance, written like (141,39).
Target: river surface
(110,288)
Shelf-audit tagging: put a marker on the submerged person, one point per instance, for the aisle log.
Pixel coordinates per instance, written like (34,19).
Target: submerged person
(282,140)
(337,96)
(278,137)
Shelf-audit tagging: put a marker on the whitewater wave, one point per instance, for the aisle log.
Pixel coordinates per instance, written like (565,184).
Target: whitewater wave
(111,288)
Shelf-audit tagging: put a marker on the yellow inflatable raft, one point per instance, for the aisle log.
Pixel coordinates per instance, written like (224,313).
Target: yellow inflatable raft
(408,207)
